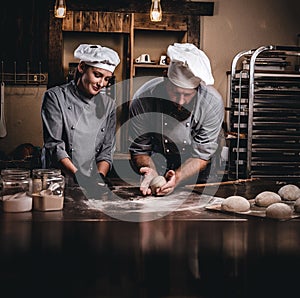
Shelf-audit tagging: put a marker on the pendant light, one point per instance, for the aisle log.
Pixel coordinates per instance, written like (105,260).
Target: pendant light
(60,8)
(155,11)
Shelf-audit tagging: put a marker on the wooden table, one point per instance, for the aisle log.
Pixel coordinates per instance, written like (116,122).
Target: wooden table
(82,252)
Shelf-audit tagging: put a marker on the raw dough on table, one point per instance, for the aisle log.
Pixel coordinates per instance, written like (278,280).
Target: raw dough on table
(235,204)
(156,183)
(266,198)
(297,206)
(289,192)
(279,211)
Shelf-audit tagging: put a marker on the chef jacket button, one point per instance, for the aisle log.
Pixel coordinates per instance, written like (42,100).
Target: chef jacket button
(166,123)
(188,124)
(167,150)
(184,142)
(69,108)
(72,127)
(183,149)
(166,141)
(72,150)
(102,129)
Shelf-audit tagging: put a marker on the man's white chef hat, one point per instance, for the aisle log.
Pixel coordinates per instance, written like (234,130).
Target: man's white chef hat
(188,66)
(98,56)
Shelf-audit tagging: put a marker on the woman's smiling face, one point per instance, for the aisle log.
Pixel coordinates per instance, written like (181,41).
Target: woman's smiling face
(93,79)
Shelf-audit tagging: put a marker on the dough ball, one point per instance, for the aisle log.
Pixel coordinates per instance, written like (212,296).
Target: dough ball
(157,182)
(266,198)
(289,192)
(297,205)
(235,204)
(279,211)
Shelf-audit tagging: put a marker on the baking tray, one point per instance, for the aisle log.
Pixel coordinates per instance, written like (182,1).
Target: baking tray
(255,211)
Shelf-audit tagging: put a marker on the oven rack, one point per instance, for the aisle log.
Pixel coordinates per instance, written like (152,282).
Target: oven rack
(265,107)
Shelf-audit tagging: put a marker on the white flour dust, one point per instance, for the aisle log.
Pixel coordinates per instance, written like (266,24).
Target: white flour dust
(179,201)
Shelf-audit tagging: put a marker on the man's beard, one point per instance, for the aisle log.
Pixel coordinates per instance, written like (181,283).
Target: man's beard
(179,112)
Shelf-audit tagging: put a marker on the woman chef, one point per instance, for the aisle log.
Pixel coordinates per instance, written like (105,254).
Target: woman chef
(79,122)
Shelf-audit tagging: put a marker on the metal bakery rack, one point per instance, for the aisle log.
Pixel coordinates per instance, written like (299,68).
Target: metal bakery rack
(264,114)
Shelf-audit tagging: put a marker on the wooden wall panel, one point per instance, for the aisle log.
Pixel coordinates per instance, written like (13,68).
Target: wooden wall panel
(114,22)
(77,21)
(68,21)
(107,22)
(126,22)
(169,22)
(193,33)
(94,21)
(89,21)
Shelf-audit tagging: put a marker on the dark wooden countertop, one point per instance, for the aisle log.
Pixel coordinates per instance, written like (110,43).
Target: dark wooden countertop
(191,252)
(125,203)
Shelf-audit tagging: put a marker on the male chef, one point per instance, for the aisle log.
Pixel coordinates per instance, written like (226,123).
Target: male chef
(175,122)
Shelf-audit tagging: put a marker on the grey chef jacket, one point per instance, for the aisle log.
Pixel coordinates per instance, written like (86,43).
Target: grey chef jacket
(77,127)
(152,129)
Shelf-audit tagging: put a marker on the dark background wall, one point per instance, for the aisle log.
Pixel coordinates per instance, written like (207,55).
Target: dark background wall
(24,34)
(24,25)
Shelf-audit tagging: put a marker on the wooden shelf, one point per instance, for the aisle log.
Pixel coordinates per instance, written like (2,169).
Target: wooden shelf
(148,65)
(154,38)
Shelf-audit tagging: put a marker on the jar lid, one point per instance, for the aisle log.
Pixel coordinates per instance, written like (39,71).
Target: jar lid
(45,172)
(15,173)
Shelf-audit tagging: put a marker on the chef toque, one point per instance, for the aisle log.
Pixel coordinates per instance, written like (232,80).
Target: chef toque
(188,66)
(97,56)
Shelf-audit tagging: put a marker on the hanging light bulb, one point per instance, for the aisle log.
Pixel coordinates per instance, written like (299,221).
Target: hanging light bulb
(60,8)
(155,11)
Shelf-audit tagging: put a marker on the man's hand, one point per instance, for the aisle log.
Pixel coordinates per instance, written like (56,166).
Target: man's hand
(169,186)
(148,175)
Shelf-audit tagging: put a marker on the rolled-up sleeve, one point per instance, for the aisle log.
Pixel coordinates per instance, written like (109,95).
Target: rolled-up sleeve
(53,127)
(207,125)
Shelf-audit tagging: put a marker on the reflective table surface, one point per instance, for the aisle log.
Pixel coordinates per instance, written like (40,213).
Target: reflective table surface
(82,251)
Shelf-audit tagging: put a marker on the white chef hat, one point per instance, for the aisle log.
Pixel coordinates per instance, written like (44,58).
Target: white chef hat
(98,56)
(188,66)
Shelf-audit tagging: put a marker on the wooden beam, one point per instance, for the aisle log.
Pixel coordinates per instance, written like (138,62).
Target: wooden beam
(193,30)
(56,52)
(168,6)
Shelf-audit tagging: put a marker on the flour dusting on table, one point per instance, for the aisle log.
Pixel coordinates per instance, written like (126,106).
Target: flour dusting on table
(136,205)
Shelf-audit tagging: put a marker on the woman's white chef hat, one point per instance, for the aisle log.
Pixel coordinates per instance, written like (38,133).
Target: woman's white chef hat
(188,66)
(98,56)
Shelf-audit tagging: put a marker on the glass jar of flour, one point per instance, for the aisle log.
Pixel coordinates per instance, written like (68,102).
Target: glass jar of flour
(16,187)
(48,186)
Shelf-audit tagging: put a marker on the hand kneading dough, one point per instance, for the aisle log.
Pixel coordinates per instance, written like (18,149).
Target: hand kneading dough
(279,211)
(266,198)
(297,205)
(235,204)
(289,192)
(157,182)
